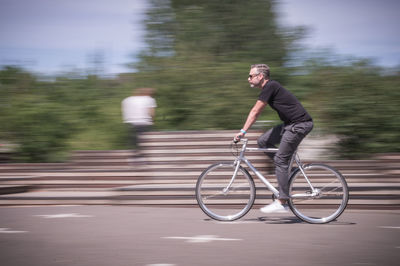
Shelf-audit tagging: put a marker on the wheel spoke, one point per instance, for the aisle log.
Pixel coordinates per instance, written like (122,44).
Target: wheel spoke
(220,204)
(331,198)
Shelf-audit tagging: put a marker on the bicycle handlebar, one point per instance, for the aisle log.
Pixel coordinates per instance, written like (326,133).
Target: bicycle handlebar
(235,140)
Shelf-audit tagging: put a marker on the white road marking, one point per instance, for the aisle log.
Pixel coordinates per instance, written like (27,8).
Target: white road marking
(161,264)
(390,227)
(7,231)
(202,238)
(63,215)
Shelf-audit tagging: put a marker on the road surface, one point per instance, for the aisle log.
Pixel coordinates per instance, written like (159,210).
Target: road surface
(152,236)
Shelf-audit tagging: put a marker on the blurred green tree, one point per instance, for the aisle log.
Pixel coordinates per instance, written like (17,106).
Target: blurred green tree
(199,54)
(357,102)
(37,125)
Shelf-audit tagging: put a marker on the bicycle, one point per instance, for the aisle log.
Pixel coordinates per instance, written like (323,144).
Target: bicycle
(318,192)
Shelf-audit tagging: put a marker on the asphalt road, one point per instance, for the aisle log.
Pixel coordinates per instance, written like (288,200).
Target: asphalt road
(126,235)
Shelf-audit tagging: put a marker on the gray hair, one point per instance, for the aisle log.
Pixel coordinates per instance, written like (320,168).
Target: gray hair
(261,68)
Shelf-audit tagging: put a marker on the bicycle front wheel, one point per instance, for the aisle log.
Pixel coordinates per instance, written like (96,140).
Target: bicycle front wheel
(219,200)
(326,201)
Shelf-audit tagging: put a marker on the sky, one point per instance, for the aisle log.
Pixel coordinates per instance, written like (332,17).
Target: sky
(359,28)
(52,36)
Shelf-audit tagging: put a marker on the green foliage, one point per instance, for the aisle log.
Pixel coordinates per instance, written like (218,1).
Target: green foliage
(199,57)
(357,103)
(47,119)
(29,119)
(41,132)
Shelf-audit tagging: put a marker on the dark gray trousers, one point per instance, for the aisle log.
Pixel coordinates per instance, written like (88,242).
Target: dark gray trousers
(135,132)
(288,137)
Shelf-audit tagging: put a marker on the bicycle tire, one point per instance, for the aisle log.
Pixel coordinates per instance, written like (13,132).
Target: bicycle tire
(331,200)
(225,206)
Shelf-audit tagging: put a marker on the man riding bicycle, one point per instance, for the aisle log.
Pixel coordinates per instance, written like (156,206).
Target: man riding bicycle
(297,123)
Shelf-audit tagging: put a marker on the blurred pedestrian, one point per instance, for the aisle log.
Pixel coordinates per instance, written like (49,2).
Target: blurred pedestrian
(138,113)
(297,123)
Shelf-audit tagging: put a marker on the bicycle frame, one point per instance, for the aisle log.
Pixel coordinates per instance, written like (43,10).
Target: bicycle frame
(295,158)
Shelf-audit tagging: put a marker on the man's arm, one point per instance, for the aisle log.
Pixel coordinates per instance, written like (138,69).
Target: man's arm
(252,117)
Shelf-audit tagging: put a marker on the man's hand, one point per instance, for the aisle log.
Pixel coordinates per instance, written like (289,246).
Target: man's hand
(239,136)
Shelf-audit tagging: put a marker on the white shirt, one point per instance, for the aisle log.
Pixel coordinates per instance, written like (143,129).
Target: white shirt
(136,110)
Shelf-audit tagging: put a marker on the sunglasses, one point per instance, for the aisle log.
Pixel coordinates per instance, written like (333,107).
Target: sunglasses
(252,76)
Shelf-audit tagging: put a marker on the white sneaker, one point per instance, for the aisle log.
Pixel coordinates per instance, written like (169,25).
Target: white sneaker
(275,207)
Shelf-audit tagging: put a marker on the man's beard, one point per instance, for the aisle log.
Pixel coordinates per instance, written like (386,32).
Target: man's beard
(252,85)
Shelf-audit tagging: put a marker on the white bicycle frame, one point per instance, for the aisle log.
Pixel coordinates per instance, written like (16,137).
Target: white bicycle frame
(295,158)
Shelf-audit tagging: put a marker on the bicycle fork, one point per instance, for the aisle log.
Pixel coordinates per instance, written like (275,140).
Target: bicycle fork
(225,190)
(237,166)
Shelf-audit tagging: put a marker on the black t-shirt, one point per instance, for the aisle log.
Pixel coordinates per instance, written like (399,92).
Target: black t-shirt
(284,102)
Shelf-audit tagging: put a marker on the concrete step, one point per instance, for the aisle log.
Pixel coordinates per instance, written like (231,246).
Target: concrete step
(177,193)
(160,199)
(174,162)
(11,189)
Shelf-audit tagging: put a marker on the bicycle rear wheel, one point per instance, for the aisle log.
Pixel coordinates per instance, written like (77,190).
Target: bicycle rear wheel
(330,197)
(219,203)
